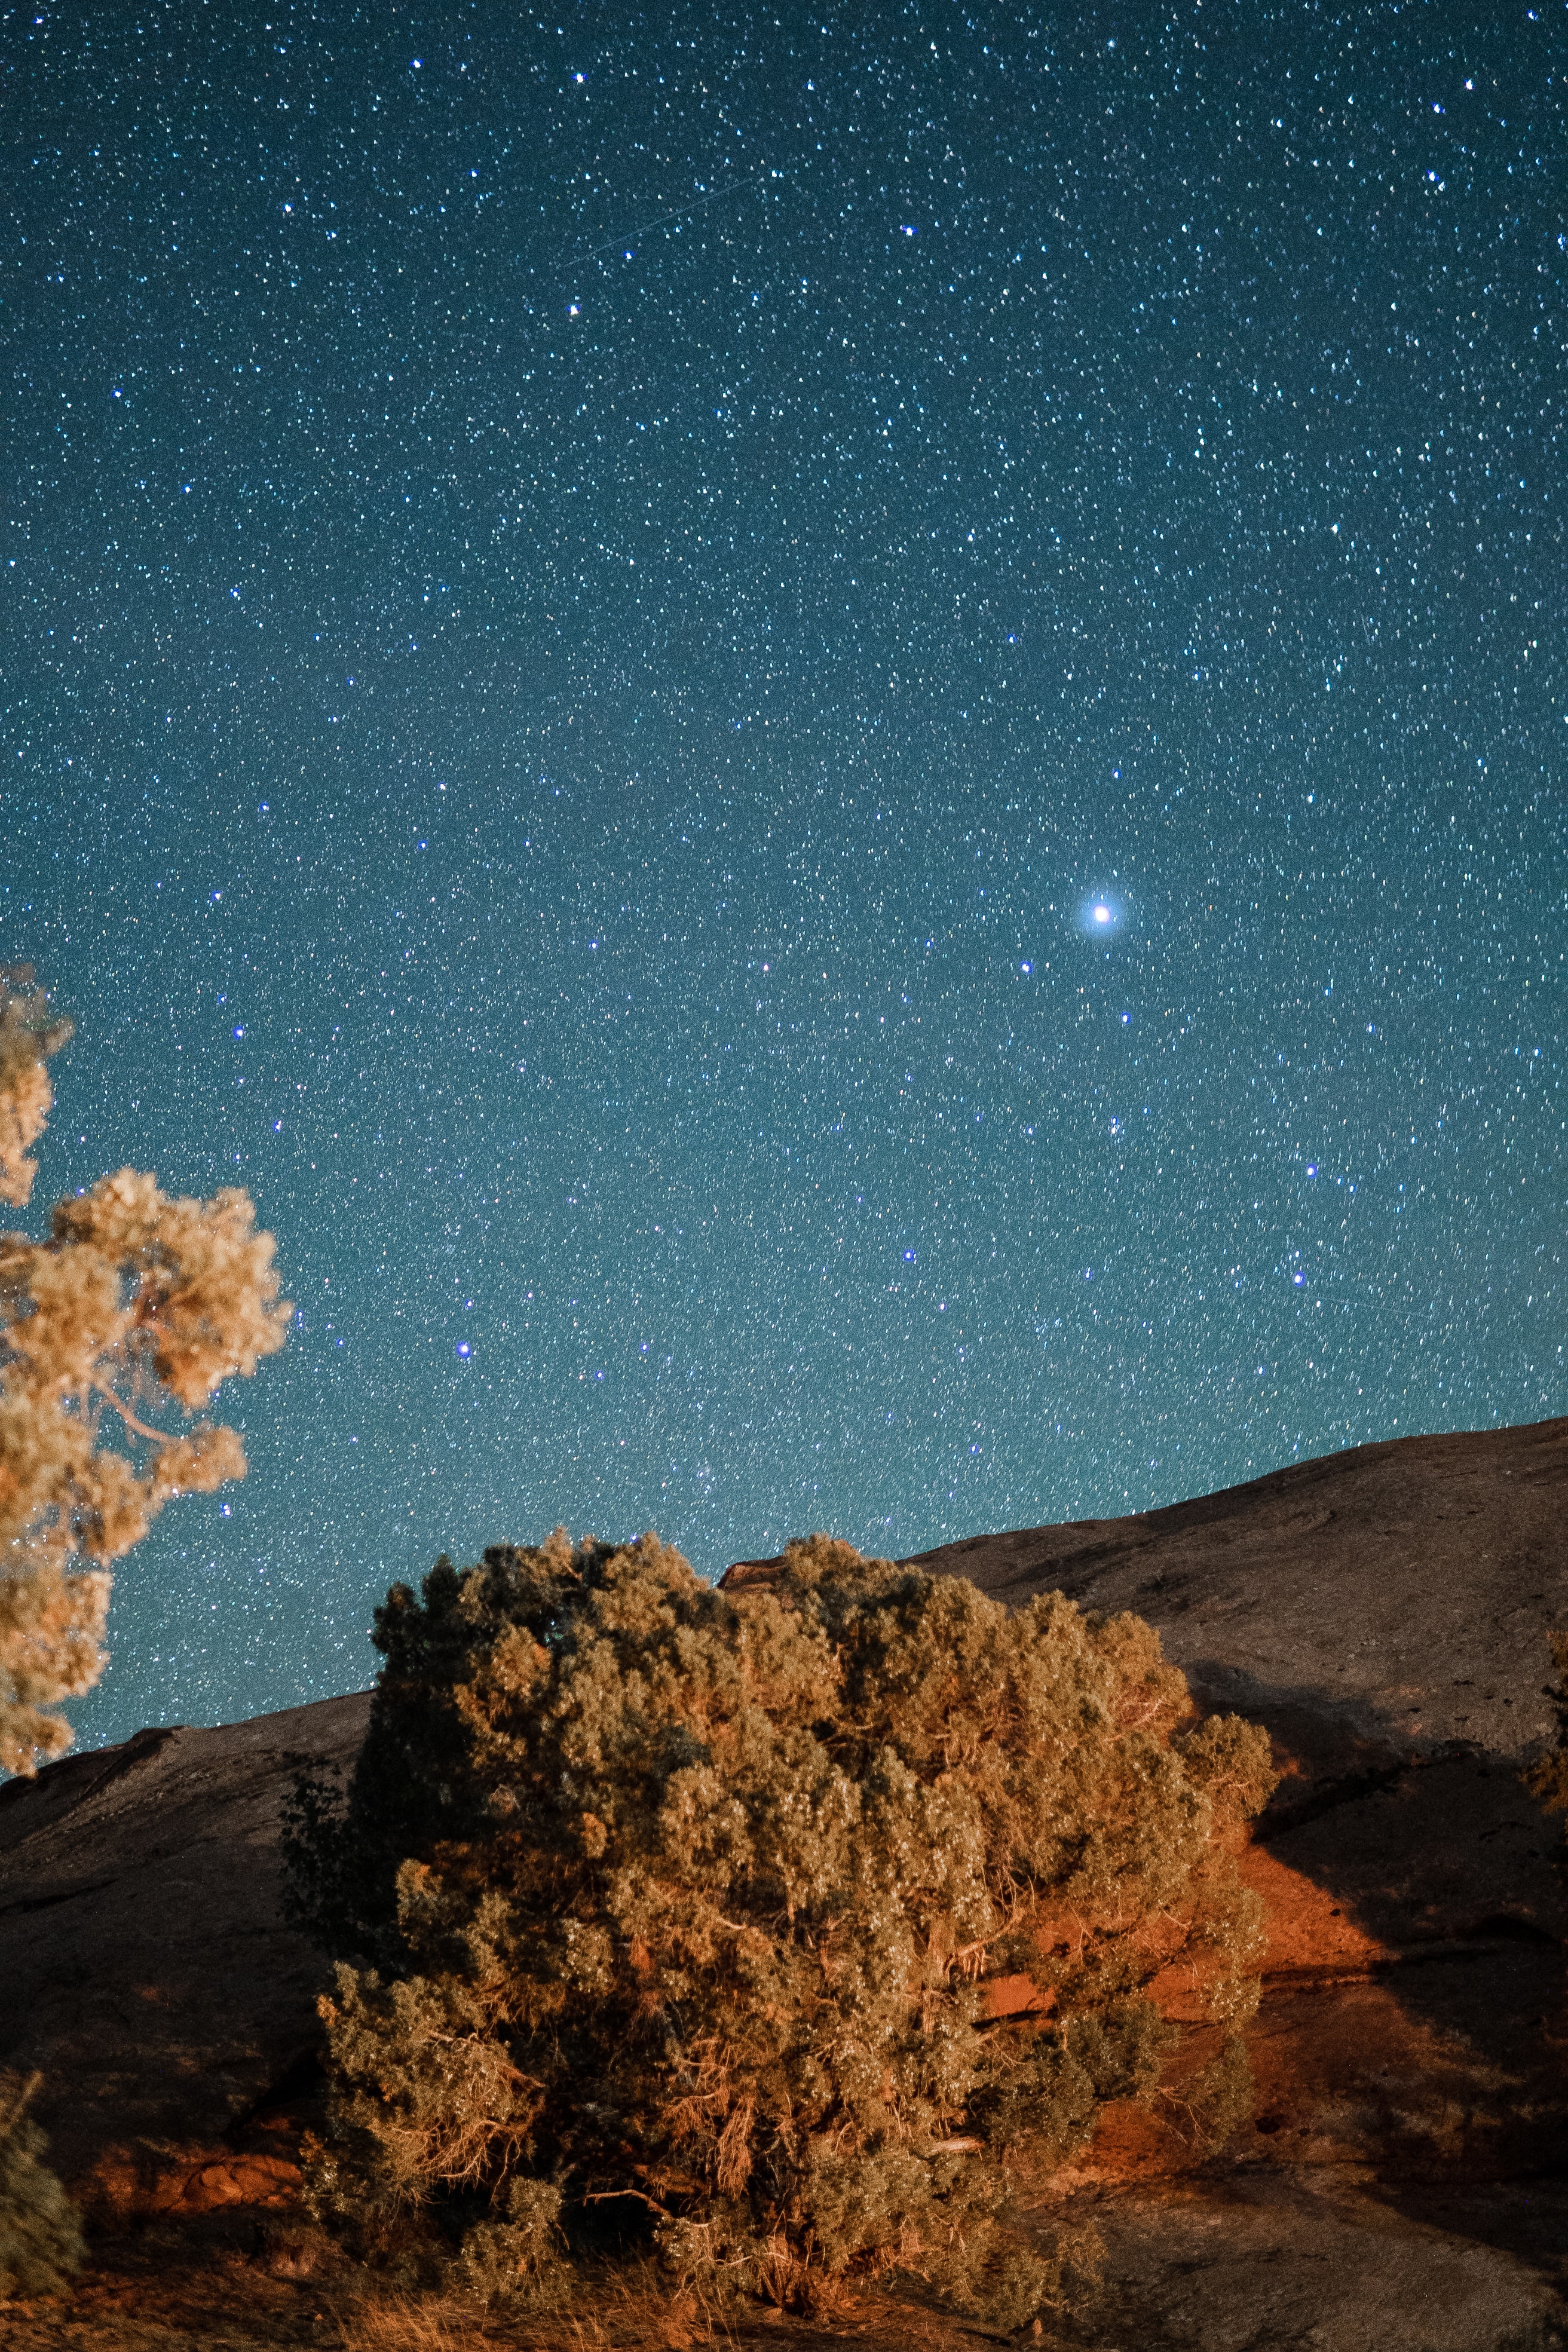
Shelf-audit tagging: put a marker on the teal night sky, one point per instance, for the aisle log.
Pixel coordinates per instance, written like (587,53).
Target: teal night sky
(832,745)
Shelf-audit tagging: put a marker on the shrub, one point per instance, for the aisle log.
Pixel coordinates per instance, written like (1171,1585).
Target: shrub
(40,2236)
(807,1922)
(1547,1777)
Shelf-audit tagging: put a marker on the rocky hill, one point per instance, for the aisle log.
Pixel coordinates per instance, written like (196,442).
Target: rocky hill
(1384,1613)
(148,1973)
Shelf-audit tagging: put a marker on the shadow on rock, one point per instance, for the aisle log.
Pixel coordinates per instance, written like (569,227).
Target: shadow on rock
(1414,2027)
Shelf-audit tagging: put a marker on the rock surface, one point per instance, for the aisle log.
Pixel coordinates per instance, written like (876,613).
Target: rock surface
(147,1970)
(1372,1606)
(1308,2263)
(1404,2180)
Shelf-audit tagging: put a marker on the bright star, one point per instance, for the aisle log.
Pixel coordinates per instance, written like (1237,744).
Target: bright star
(1101,915)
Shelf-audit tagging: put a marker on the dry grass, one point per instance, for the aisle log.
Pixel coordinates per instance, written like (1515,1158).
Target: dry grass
(217,2285)
(632,2310)
(630,2307)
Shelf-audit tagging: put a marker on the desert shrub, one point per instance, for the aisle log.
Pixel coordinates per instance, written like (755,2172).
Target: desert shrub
(1547,1777)
(40,2235)
(806,1923)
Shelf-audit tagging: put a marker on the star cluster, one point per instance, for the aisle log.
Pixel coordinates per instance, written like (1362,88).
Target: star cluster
(831,745)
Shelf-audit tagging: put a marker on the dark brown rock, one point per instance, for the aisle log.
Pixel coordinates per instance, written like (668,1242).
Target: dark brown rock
(1373,1606)
(148,1973)
(1308,2261)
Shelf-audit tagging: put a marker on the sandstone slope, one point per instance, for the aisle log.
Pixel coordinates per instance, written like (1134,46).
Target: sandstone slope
(147,1971)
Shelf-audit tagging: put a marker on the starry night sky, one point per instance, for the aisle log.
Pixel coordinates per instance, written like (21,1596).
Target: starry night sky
(832,745)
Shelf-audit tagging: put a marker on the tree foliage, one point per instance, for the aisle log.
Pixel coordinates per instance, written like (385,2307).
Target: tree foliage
(809,1921)
(137,1305)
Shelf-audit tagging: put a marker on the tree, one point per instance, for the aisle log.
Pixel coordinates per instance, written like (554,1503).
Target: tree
(809,1922)
(137,1308)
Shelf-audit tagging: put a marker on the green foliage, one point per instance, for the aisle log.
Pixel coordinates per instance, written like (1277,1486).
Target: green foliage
(721,1910)
(40,2235)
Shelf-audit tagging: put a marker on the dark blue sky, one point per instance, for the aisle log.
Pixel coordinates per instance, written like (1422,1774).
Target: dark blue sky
(592,603)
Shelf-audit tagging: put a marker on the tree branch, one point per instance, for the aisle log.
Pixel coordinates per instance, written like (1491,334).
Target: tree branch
(158,1436)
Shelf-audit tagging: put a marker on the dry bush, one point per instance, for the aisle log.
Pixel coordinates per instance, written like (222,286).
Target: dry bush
(137,1305)
(1547,1777)
(40,2233)
(681,1909)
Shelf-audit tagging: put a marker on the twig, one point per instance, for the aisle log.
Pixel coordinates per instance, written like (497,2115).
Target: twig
(602,2196)
(8,2122)
(158,1436)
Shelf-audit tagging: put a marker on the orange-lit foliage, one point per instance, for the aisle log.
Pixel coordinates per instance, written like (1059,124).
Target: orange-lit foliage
(136,1306)
(688,1906)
